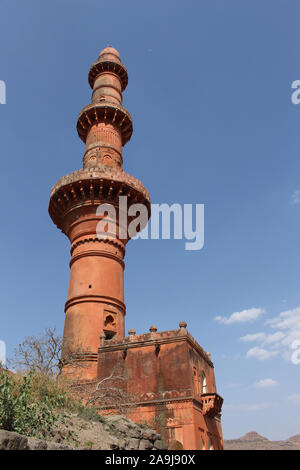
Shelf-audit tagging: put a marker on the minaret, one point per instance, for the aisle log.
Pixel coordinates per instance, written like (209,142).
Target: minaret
(95,306)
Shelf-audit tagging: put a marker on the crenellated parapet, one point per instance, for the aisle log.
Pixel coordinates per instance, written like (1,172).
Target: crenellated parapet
(156,340)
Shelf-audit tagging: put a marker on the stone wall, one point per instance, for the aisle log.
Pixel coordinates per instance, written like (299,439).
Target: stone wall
(117,433)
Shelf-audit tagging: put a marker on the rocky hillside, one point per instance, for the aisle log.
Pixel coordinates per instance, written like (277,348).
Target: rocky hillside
(253,441)
(111,433)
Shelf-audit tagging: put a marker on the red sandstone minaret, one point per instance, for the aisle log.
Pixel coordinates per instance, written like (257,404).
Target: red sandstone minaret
(95,304)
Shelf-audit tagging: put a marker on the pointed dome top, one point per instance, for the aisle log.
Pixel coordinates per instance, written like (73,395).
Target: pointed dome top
(110,53)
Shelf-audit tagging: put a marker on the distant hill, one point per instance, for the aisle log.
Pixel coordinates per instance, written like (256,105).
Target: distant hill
(253,441)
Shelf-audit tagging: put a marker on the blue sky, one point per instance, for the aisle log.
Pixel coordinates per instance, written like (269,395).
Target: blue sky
(210,95)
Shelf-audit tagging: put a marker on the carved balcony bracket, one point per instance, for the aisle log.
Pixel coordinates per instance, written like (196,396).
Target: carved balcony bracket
(212,404)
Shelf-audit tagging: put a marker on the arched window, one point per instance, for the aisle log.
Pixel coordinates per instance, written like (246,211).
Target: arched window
(109,327)
(109,321)
(204,386)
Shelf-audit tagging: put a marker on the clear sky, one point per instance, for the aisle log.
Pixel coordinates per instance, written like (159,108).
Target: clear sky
(210,95)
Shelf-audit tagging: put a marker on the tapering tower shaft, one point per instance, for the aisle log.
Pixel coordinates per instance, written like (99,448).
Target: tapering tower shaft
(95,305)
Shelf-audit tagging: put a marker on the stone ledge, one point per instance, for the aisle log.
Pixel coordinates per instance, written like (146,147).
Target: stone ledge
(101,172)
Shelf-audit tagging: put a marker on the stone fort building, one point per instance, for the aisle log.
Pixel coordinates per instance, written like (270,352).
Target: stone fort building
(169,374)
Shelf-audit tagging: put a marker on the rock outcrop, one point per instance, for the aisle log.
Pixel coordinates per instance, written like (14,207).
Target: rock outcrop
(114,433)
